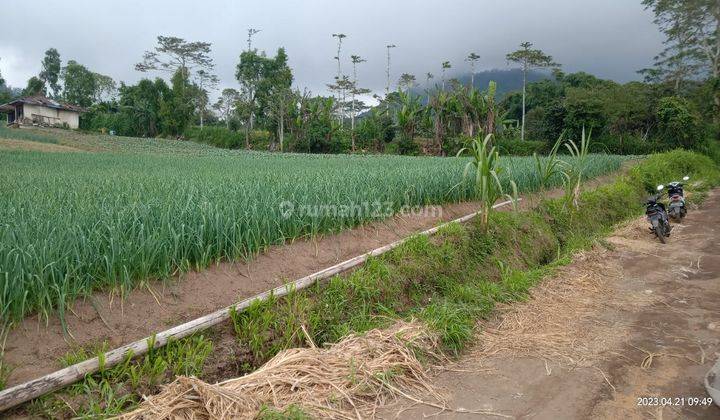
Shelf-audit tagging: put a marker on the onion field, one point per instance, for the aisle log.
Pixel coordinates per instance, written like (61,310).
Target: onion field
(71,223)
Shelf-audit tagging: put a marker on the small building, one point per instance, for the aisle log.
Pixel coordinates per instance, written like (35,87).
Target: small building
(41,110)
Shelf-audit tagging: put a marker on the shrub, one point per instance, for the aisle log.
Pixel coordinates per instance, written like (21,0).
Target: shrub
(216,136)
(711,148)
(228,139)
(627,145)
(406,146)
(520,148)
(671,166)
(678,123)
(452,145)
(484,170)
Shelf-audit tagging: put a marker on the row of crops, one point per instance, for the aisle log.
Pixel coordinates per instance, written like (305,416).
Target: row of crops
(71,223)
(107,143)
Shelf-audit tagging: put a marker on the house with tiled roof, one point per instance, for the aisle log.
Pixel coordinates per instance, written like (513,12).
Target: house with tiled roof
(43,111)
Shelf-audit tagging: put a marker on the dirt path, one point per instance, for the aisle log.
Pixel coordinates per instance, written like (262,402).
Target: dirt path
(633,319)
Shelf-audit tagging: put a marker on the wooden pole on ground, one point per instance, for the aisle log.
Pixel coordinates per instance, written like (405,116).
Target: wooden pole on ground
(35,388)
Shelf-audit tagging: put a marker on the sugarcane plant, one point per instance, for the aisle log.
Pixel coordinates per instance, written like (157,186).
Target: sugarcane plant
(576,167)
(551,166)
(486,170)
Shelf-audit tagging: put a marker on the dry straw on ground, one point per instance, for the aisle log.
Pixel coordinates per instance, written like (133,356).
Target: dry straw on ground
(347,380)
(566,319)
(561,322)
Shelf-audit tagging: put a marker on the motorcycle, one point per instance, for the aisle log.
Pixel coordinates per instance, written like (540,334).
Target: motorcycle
(657,216)
(677,209)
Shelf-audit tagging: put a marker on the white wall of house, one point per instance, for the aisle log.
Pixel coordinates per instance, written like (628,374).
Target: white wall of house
(52,115)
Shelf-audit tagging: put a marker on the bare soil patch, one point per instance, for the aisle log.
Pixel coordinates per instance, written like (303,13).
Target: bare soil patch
(637,320)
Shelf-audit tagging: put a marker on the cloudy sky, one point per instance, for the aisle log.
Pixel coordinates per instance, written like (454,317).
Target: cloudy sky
(610,38)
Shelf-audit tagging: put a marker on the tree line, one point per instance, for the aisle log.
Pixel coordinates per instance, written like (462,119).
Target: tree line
(72,82)
(677,104)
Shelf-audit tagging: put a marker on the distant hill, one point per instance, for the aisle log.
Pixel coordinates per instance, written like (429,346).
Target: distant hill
(506,80)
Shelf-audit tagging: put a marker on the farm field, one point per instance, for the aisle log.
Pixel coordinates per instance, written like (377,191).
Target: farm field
(146,209)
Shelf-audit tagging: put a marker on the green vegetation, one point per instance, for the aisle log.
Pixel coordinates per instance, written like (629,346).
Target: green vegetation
(78,222)
(575,168)
(677,105)
(147,209)
(550,166)
(111,392)
(456,277)
(631,118)
(484,171)
(30,135)
(665,167)
(229,139)
(290,413)
(449,280)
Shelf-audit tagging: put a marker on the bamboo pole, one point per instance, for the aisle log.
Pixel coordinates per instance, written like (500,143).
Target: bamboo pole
(35,388)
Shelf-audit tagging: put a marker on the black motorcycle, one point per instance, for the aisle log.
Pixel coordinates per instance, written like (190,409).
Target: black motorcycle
(677,209)
(657,216)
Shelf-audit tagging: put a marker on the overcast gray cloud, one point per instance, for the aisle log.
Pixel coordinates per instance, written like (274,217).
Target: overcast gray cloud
(610,38)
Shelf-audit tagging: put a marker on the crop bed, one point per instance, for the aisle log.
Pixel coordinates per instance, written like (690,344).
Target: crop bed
(76,222)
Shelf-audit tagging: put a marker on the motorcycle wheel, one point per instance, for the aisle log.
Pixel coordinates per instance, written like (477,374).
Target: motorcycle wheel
(660,233)
(675,214)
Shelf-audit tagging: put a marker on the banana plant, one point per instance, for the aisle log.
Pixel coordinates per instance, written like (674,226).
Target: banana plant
(408,114)
(437,109)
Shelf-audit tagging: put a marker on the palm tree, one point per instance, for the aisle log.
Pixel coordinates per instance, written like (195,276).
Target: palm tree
(251,33)
(472,58)
(428,76)
(445,65)
(340,38)
(529,58)
(407,80)
(356,59)
(387,72)
(339,77)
